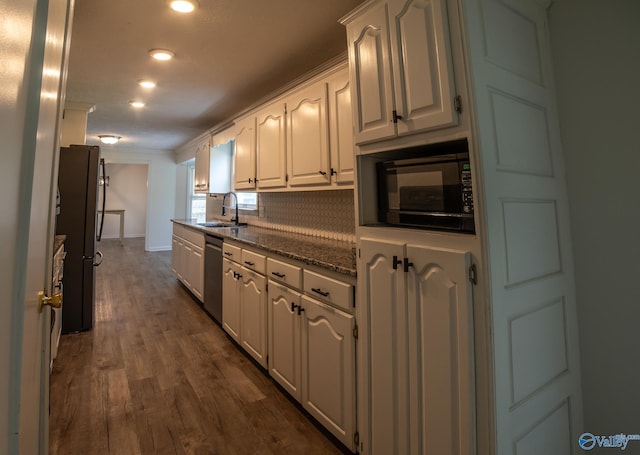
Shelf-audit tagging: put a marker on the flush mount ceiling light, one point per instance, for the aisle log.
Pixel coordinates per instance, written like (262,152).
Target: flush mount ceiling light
(183,6)
(136,104)
(161,54)
(146,83)
(109,139)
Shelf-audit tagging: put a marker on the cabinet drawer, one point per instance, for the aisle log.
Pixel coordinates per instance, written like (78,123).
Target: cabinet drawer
(254,261)
(195,237)
(329,290)
(285,273)
(178,230)
(232,252)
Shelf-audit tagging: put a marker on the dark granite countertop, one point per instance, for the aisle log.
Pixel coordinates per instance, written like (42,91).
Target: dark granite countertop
(335,255)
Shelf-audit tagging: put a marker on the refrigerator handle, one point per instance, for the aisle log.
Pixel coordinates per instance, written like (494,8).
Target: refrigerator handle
(103,171)
(99,254)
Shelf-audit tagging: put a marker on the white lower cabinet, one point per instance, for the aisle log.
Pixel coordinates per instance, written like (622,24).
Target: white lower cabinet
(328,368)
(284,338)
(177,256)
(417,376)
(244,308)
(312,356)
(187,259)
(253,315)
(231,275)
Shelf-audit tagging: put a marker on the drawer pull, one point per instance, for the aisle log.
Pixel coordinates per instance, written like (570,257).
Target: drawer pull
(319,291)
(279,275)
(249,263)
(228,253)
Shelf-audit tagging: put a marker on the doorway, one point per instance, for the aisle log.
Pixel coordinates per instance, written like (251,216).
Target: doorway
(126,189)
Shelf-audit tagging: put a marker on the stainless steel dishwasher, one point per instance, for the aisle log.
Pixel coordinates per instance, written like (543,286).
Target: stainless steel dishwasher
(213,277)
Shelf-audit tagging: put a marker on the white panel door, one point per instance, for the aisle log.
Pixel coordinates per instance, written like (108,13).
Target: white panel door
(245,158)
(341,128)
(308,137)
(370,75)
(231,298)
(422,65)
(328,368)
(271,147)
(34,55)
(383,368)
(284,338)
(253,309)
(536,372)
(440,332)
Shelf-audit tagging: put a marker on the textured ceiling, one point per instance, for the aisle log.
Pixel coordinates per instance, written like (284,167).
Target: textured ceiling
(229,54)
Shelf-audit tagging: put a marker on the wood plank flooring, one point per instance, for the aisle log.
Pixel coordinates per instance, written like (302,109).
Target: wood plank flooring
(158,376)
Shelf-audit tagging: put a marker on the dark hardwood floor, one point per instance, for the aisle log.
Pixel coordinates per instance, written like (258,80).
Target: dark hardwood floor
(158,376)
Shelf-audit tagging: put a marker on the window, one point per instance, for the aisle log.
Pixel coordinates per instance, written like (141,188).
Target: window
(197,203)
(247,201)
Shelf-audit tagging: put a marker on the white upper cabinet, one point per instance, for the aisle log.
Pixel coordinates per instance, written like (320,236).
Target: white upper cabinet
(302,140)
(370,74)
(201,179)
(400,69)
(341,127)
(307,136)
(245,157)
(271,146)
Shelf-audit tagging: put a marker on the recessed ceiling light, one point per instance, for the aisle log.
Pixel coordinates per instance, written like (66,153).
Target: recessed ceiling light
(183,6)
(146,83)
(109,139)
(137,104)
(161,54)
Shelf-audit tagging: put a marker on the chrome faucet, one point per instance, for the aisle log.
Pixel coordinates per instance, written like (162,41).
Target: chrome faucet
(224,198)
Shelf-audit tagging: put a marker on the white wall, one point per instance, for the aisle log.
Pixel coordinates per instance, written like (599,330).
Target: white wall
(596,45)
(127,191)
(182,190)
(161,191)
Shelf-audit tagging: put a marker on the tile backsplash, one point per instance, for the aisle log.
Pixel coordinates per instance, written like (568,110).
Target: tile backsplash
(327,214)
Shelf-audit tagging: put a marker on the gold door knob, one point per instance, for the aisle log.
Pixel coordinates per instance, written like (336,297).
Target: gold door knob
(55,301)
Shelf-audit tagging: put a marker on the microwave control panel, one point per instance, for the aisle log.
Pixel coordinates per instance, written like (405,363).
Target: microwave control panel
(467,191)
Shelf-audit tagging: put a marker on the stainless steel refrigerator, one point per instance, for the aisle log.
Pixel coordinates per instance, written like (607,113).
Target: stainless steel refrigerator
(79,176)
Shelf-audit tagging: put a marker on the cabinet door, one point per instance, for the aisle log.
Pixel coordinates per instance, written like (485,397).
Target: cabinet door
(284,337)
(196,269)
(201,178)
(245,159)
(422,70)
(231,298)
(176,255)
(341,128)
(308,137)
(440,351)
(328,368)
(370,75)
(188,266)
(383,364)
(253,309)
(271,147)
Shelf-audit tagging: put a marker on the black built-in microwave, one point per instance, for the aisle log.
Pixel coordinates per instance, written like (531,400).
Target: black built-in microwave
(428,187)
